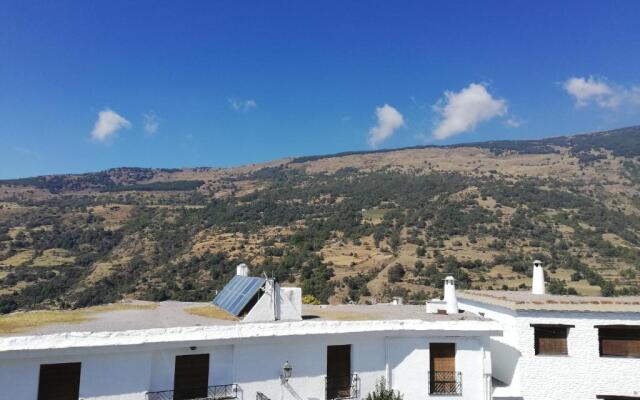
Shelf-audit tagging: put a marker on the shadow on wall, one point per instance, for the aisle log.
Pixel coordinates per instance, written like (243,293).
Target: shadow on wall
(504,366)
(291,390)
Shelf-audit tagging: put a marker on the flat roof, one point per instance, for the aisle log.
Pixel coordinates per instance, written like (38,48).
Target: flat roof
(172,314)
(526,301)
(174,324)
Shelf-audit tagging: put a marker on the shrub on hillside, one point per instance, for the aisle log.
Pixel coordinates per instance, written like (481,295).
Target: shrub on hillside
(396,273)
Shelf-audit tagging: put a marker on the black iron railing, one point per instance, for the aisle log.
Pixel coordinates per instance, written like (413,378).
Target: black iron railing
(445,382)
(219,392)
(261,396)
(342,387)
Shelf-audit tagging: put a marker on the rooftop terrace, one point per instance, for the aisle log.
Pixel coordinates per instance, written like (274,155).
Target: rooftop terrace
(179,324)
(523,301)
(171,314)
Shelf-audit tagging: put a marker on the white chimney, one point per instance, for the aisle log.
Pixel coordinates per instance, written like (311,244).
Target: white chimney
(538,278)
(242,270)
(450,295)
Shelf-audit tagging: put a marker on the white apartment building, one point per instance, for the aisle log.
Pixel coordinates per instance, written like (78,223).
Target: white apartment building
(561,347)
(276,350)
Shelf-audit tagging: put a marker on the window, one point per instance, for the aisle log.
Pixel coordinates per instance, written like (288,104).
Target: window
(443,378)
(619,341)
(191,377)
(551,339)
(339,380)
(59,382)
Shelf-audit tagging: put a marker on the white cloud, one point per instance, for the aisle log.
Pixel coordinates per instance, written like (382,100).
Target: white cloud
(389,119)
(108,123)
(150,122)
(513,122)
(242,105)
(590,89)
(601,93)
(464,110)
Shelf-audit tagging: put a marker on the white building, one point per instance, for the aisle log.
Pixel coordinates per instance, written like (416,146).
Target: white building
(314,353)
(561,347)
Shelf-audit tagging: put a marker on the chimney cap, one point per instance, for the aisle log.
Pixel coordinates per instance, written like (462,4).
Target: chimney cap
(537,286)
(242,269)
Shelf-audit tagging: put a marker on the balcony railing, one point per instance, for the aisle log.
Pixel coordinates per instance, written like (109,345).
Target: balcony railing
(219,392)
(445,382)
(342,387)
(261,396)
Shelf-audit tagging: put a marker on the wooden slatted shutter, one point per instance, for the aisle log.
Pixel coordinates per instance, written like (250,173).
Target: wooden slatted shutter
(619,341)
(443,357)
(191,378)
(59,381)
(551,340)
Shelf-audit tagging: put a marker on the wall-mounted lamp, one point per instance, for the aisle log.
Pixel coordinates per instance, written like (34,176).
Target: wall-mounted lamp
(287,369)
(192,348)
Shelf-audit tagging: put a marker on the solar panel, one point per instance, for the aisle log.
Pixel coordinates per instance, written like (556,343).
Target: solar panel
(235,296)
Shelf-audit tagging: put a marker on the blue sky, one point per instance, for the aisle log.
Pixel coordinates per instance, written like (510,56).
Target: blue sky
(86,86)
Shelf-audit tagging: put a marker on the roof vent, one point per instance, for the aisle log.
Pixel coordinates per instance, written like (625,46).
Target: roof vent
(450,295)
(242,270)
(538,278)
(397,301)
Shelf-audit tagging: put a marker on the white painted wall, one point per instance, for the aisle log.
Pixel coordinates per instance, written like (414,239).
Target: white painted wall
(163,365)
(505,354)
(582,374)
(409,365)
(125,373)
(287,306)
(122,376)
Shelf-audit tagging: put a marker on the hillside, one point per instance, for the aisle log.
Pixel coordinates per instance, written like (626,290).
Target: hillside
(357,226)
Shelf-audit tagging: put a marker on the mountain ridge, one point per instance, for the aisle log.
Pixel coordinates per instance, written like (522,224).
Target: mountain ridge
(536,146)
(357,227)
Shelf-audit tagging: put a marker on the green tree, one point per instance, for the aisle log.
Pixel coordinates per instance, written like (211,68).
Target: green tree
(382,392)
(396,273)
(608,289)
(394,241)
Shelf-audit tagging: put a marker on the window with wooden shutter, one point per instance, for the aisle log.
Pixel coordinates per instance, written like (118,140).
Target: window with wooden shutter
(59,381)
(191,377)
(551,339)
(443,378)
(443,357)
(619,341)
(339,380)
